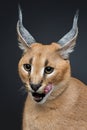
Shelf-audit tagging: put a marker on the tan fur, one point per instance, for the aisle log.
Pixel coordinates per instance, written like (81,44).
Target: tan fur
(66,107)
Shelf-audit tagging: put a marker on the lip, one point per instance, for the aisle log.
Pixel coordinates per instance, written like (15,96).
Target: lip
(38,97)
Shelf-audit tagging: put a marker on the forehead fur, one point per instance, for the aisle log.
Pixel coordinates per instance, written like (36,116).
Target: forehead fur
(51,47)
(42,49)
(40,53)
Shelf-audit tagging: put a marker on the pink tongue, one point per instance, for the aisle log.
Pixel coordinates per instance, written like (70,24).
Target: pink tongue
(48,88)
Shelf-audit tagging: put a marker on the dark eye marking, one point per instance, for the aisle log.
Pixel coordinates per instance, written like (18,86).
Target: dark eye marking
(30,61)
(46,63)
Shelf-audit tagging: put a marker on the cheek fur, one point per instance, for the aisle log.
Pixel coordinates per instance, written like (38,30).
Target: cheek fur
(60,74)
(24,75)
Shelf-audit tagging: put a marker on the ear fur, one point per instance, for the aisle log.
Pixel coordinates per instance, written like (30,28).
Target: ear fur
(24,37)
(67,49)
(22,44)
(68,42)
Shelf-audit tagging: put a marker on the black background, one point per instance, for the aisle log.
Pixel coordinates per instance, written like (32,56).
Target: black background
(47,21)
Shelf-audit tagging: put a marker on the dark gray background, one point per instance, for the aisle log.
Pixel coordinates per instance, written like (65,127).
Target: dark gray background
(47,21)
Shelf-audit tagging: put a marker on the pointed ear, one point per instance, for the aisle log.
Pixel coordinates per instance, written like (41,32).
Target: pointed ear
(24,37)
(67,49)
(68,42)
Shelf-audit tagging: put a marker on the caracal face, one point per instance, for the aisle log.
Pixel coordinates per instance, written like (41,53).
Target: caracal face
(42,69)
(45,68)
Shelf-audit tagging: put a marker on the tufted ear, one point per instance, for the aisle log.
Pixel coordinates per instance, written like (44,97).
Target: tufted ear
(24,37)
(69,40)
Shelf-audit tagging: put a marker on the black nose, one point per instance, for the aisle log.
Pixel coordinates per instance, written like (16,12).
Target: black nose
(35,87)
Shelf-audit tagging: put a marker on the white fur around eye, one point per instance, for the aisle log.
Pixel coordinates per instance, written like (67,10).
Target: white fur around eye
(42,72)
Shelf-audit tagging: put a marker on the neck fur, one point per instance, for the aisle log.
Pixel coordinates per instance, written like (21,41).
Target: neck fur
(59,90)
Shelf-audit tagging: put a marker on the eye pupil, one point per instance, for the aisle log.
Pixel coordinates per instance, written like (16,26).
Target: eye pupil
(27,67)
(48,70)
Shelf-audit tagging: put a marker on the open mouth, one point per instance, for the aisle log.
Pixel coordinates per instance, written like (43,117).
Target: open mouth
(38,97)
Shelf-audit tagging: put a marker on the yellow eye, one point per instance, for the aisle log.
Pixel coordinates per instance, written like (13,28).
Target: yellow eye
(48,70)
(27,67)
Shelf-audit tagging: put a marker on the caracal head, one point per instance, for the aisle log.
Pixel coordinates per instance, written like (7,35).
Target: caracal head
(42,69)
(45,68)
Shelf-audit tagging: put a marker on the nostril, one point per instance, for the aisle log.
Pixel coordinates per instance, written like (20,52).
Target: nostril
(35,87)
